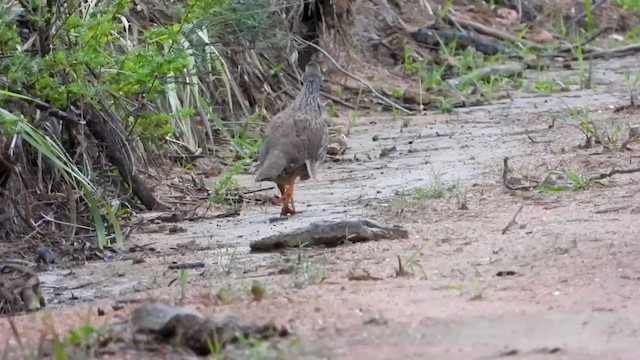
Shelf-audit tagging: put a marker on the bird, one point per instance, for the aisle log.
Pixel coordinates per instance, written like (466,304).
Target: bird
(296,140)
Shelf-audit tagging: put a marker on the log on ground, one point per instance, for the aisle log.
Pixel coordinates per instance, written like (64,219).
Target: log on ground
(330,234)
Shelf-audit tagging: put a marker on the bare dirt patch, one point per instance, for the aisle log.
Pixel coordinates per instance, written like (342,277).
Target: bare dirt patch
(560,282)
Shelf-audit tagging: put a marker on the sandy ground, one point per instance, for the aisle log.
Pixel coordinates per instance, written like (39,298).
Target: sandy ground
(559,284)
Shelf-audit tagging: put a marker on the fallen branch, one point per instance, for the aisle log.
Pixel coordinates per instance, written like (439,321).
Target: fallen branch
(330,234)
(175,217)
(485,30)
(580,16)
(96,124)
(362,277)
(615,172)
(233,212)
(248,192)
(631,106)
(583,44)
(338,100)
(434,37)
(618,52)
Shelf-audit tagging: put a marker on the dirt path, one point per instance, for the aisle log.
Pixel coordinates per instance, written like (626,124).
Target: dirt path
(560,284)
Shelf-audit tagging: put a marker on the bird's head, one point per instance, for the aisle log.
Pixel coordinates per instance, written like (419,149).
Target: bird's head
(312,73)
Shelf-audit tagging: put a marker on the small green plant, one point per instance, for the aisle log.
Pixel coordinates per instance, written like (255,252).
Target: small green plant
(406,202)
(305,271)
(400,204)
(354,116)
(474,292)
(545,87)
(431,78)
(255,349)
(610,135)
(80,342)
(225,294)
(461,199)
(257,290)
(573,182)
(583,72)
(477,291)
(82,339)
(607,136)
(466,62)
(216,348)
(444,9)
(182,282)
(584,124)
(556,16)
(589,15)
(397,93)
(226,186)
(412,263)
(631,85)
(446,106)
(231,264)
(627,4)
(578,181)
(435,190)
(331,112)
(409,64)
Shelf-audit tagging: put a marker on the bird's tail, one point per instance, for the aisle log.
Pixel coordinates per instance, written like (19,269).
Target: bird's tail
(311,168)
(272,167)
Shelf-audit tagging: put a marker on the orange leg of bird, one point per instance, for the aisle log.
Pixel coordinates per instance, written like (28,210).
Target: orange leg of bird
(291,186)
(287,198)
(293,207)
(284,197)
(282,189)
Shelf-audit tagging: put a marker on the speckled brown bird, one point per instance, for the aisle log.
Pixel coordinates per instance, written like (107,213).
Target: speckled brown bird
(296,140)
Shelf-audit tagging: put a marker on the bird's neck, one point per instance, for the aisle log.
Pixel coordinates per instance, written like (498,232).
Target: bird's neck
(310,93)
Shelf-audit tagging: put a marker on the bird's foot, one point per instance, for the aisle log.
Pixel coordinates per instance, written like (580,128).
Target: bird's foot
(285,214)
(287,211)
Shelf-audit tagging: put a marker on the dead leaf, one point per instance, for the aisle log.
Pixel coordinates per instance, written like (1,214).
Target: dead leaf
(540,36)
(508,16)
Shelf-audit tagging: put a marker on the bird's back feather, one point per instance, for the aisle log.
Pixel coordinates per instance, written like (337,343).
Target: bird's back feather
(296,139)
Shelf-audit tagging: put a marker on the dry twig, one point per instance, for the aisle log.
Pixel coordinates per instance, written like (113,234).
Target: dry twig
(615,172)
(401,271)
(367,84)
(505,179)
(513,221)
(580,16)
(495,33)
